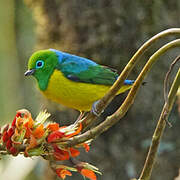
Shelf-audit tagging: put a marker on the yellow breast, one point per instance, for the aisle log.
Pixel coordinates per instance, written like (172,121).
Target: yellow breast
(75,95)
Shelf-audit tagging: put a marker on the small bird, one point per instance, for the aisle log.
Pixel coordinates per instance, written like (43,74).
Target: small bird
(70,80)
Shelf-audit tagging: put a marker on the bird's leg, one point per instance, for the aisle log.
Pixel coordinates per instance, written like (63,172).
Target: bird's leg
(94,109)
(81,115)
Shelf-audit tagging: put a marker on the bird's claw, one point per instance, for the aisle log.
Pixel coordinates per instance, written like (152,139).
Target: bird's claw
(80,117)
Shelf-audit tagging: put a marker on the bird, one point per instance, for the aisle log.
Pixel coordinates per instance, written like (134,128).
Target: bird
(70,80)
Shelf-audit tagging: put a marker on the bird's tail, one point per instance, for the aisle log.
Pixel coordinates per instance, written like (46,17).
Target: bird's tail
(127,85)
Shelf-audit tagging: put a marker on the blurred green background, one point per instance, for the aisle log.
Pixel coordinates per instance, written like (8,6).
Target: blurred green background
(109,32)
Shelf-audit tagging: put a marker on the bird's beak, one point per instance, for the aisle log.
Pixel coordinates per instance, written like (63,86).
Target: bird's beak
(29,72)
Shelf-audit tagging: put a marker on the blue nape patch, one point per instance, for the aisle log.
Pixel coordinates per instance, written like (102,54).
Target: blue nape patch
(69,57)
(128,82)
(58,53)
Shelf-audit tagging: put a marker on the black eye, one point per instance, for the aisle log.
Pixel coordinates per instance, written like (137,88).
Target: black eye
(39,64)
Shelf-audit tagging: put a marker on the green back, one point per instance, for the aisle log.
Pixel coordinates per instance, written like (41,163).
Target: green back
(93,74)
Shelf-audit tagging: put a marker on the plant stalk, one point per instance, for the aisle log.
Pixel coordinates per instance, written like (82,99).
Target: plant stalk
(150,160)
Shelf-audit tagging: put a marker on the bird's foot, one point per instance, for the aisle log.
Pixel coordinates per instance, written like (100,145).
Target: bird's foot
(94,109)
(80,117)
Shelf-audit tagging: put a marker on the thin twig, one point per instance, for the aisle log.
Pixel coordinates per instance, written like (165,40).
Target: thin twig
(166,79)
(148,166)
(167,82)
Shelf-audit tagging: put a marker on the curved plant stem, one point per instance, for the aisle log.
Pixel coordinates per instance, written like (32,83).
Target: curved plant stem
(166,79)
(147,169)
(111,120)
(102,104)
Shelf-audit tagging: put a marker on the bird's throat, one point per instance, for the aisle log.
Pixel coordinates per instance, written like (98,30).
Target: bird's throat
(43,79)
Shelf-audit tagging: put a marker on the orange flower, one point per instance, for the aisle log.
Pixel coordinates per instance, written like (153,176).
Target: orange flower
(87,170)
(25,117)
(62,173)
(40,139)
(86,147)
(74,152)
(23,120)
(53,126)
(39,131)
(88,173)
(30,122)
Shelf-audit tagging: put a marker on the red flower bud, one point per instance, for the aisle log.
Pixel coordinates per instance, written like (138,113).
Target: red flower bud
(14,122)
(6,128)
(13,151)
(5,137)
(10,131)
(9,144)
(18,114)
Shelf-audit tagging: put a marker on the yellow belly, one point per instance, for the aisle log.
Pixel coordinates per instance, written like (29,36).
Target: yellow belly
(75,95)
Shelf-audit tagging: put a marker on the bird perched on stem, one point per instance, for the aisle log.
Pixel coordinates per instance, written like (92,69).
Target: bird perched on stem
(70,80)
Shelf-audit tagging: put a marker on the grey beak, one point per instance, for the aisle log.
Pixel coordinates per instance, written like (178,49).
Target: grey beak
(29,72)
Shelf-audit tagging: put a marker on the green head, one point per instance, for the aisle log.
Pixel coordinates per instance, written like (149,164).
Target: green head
(41,65)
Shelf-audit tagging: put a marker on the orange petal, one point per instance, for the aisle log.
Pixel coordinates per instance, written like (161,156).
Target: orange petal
(62,173)
(53,126)
(39,131)
(76,132)
(74,152)
(30,122)
(86,147)
(88,173)
(29,125)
